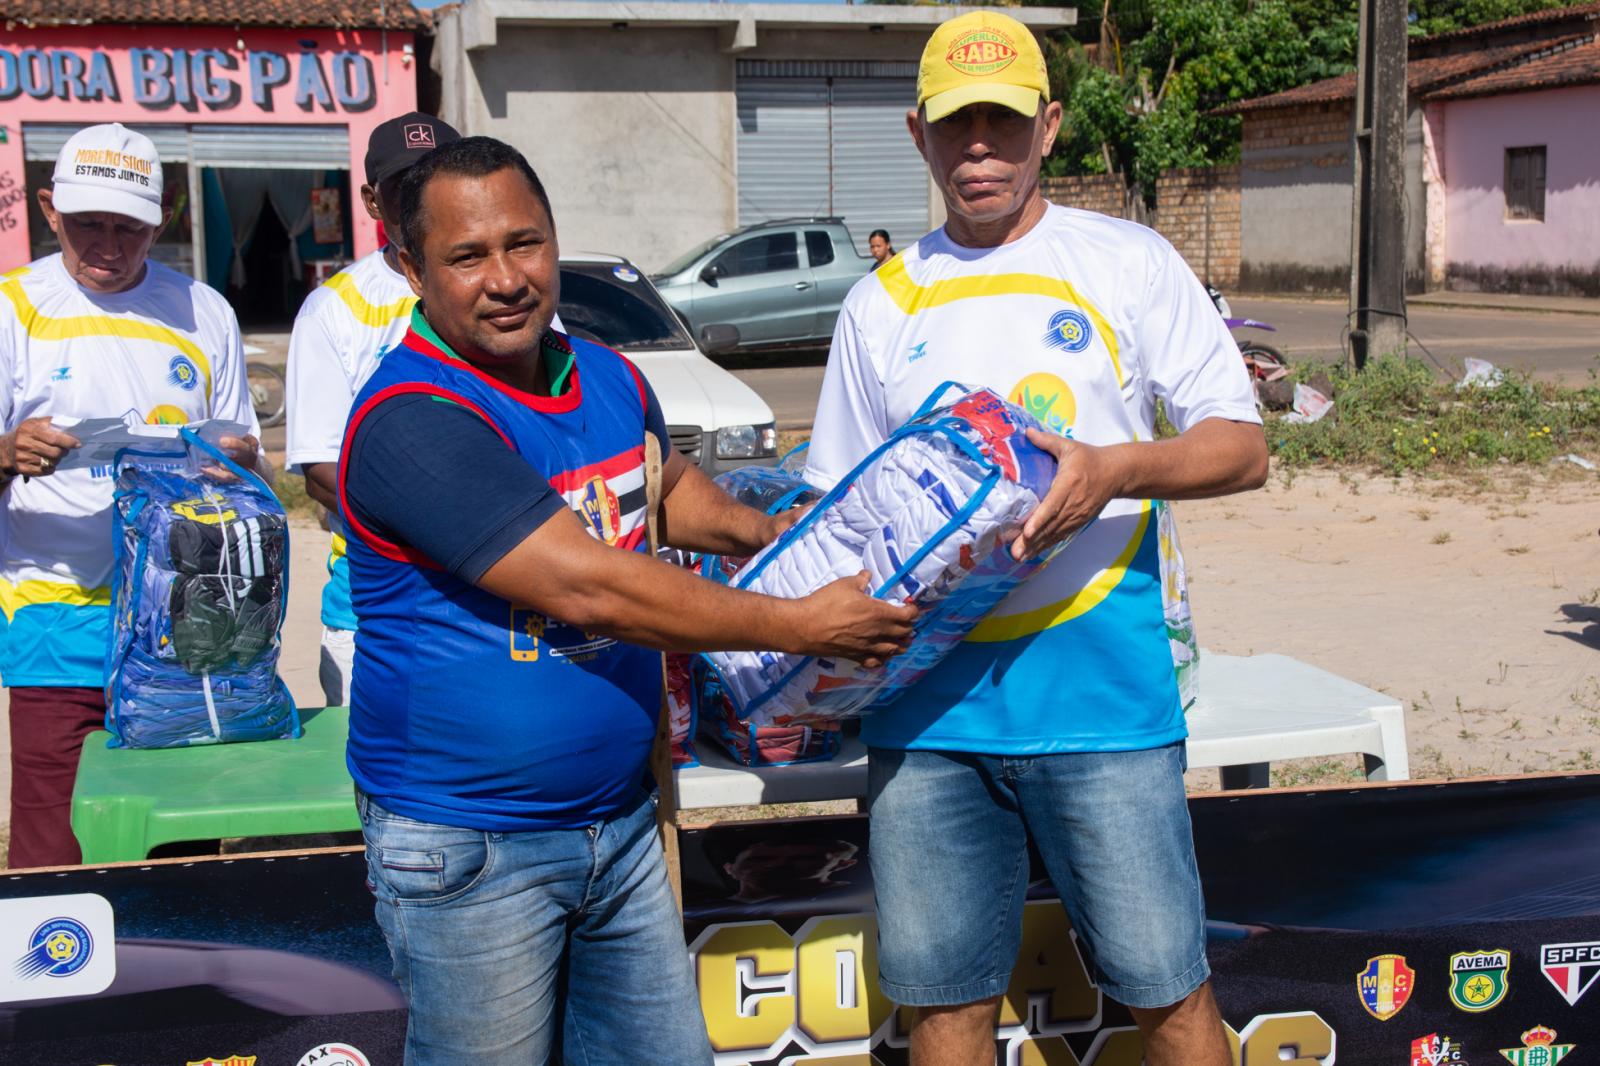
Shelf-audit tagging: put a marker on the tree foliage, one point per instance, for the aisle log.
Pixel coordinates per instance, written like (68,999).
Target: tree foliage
(1139,80)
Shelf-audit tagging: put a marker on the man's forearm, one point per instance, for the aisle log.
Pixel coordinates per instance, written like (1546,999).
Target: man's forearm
(1216,457)
(321,484)
(698,516)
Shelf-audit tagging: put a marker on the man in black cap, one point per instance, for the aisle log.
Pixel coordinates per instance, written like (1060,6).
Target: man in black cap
(341,332)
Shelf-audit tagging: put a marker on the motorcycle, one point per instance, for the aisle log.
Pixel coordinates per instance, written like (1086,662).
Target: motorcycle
(1264,362)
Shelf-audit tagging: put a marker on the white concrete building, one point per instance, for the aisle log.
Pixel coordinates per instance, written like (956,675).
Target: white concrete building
(656,125)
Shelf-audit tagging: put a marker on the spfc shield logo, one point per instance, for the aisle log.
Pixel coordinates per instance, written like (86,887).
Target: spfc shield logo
(1572,968)
(1385,986)
(1539,1048)
(1479,980)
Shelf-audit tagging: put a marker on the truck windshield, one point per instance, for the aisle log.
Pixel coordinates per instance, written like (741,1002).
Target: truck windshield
(599,304)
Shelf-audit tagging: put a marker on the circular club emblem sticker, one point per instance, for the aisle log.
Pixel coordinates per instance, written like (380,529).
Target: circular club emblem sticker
(333,1055)
(981,53)
(625,274)
(60,947)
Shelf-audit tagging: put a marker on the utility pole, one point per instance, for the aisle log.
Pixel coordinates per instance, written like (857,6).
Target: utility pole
(1378,218)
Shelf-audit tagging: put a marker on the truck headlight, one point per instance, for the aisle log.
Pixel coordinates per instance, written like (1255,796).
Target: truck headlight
(747,442)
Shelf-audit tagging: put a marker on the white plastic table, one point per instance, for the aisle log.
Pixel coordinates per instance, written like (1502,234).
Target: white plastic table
(1252,711)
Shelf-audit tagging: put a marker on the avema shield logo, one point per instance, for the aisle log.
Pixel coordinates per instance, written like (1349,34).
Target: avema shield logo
(1049,399)
(60,947)
(1479,979)
(183,373)
(1069,331)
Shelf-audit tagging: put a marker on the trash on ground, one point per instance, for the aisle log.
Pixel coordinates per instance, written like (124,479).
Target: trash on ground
(1309,406)
(1480,372)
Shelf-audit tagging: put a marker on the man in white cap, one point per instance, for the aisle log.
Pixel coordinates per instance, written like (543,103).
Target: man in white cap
(96,330)
(1058,719)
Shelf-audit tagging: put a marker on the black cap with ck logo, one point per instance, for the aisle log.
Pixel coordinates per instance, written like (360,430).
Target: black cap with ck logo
(400,142)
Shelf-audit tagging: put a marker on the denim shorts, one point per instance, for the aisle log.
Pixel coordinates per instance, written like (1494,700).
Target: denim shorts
(950,861)
(516,949)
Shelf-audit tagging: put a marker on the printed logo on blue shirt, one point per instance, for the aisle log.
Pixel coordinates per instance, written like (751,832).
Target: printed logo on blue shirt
(61,373)
(183,373)
(916,351)
(1069,330)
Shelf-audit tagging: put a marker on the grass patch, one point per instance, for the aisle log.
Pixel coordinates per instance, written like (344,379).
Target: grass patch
(1396,416)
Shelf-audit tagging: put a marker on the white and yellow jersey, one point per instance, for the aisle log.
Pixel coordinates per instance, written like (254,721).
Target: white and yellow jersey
(340,334)
(167,350)
(1085,321)
(342,331)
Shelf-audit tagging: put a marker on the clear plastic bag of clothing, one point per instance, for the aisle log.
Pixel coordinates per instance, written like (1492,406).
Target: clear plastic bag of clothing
(929,514)
(198,596)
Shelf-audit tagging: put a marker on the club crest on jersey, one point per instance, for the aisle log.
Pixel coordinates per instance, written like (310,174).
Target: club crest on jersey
(1572,968)
(183,373)
(981,53)
(1069,331)
(1479,980)
(60,947)
(601,509)
(1385,986)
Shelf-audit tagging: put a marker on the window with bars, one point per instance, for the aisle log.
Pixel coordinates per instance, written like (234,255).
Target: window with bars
(1525,183)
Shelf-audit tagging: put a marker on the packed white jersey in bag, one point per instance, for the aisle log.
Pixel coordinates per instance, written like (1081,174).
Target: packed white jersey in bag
(929,515)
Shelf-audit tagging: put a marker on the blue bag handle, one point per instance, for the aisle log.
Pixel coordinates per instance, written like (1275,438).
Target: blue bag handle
(932,399)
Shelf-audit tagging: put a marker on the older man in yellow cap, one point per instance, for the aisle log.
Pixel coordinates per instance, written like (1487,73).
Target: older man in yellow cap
(1059,718)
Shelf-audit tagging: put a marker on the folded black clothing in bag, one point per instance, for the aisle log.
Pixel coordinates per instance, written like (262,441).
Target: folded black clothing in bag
(224,543)
(218,620)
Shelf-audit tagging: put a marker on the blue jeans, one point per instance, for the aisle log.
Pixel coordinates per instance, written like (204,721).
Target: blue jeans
(950,864)
(509,946)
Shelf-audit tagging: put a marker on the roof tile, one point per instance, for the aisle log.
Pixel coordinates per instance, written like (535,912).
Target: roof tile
(342,14)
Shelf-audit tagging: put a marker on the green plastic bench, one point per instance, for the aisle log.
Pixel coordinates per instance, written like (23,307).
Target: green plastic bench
(128,801)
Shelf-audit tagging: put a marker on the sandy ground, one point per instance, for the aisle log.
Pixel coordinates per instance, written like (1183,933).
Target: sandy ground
(1475,600)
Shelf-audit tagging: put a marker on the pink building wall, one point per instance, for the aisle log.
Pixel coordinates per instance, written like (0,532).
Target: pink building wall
(191,75)
(1475,134)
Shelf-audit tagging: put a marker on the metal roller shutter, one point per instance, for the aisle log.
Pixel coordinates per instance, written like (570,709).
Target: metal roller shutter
(783,148)
(267,147)
(879,178)
(41,142)
(826,138)
(272,147)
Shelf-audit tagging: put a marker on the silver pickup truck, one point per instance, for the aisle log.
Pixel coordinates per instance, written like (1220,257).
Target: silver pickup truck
(780,282)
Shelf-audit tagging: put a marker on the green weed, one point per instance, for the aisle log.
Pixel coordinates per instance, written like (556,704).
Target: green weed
(1397,416)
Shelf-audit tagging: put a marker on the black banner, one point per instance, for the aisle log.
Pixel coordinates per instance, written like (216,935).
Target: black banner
(1414,924)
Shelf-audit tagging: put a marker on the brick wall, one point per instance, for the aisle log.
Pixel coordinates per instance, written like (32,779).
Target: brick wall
(1094,192)
(1197,209)
(1290,127)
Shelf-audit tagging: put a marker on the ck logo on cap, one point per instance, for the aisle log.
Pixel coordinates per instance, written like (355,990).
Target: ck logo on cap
(419,135)
(981,52)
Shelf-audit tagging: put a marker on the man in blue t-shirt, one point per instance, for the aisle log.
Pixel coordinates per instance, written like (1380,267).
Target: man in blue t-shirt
(505,696)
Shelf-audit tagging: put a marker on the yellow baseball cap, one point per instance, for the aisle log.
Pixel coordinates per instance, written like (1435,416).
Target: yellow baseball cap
(981,57)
